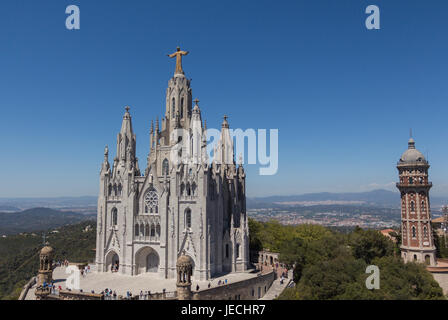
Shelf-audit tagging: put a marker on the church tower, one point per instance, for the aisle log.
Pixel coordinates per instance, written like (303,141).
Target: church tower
(417,238)
(182,205)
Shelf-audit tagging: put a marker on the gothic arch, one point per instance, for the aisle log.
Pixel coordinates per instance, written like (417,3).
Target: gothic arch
(146,260)
(114,214)
(165,167)
(112,259)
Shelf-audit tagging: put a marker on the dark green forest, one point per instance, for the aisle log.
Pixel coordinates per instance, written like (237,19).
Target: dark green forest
(331,265)
(19,254)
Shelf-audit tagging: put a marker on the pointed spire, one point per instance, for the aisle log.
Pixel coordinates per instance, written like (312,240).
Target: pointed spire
(152,127)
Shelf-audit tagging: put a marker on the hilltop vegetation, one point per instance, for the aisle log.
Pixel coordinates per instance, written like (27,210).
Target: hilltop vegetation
(331,265)
(19,254)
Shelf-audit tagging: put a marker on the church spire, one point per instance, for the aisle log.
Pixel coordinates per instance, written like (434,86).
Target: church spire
(126,140)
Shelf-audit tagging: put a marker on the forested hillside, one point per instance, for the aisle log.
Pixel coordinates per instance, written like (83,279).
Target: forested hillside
(19,254)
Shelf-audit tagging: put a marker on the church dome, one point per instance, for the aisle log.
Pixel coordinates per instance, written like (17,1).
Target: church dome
(412,154)
(46,250)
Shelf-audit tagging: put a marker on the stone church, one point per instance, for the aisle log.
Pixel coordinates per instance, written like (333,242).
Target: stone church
(182,204)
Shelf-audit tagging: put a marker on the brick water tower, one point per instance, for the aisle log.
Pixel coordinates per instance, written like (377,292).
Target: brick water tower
(417,239)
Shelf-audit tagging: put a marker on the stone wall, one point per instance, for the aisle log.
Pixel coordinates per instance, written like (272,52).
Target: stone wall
(250,289)
(26,288)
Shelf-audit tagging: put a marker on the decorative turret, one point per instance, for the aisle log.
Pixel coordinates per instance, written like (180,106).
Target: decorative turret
(224,150)
(184,267)
(126,145)
(45,274)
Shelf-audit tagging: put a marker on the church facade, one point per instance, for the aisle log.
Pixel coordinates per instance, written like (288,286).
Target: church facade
(182,204)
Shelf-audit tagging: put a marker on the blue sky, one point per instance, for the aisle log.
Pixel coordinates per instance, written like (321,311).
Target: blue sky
(342,97)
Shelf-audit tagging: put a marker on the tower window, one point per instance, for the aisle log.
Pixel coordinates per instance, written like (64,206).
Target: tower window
(173,107)
(411,180)
(425,232)
(237,249)
(182,108)
(227,250)
(188,190)
(413,232)
(423,206)
(412,206)
(114,216)
(153,230)
(188,218)
(136,230)
(165,167)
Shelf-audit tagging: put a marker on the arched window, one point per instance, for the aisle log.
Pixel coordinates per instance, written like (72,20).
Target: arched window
(173,107)
(147,230)
(120,190)
(142,230)
(188,218)
(193,189)
(151,202)
(115,190)
(153,230)
(136,230)
(182,189)
(158,230)
(110,189)
(423,206)
(165,167)
(425,232)
(182,108)
(412,206)
(237,250)
(188,190)
(413,232)
(227,250)
(114,216)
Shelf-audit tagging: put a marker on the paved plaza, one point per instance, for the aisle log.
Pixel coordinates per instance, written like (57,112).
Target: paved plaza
(144,282)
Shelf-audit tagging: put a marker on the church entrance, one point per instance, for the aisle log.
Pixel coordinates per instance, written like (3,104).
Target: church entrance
(112,261)
(146,261)
(152,263)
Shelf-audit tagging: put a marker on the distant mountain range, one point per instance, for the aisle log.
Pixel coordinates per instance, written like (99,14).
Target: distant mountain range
(17,204)
(38,219)
(380,197)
